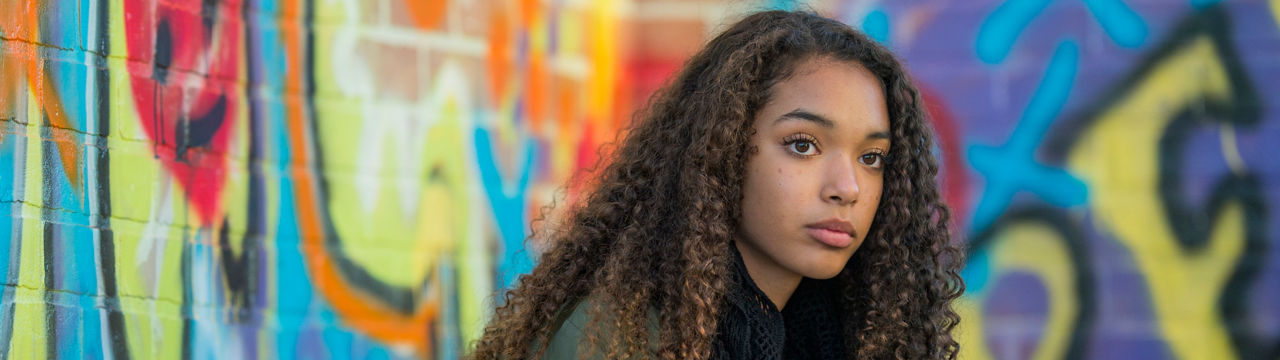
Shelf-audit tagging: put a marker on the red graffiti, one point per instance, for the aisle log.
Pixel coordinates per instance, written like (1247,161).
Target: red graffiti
(954,178)
(184,69)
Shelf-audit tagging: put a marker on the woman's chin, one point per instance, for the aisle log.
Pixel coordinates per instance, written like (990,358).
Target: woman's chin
(823,265)
(823,271)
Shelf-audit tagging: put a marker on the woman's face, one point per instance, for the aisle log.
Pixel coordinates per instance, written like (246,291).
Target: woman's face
(813,185)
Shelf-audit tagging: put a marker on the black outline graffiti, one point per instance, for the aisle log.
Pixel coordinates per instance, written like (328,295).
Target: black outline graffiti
(238,273)
(1190,227)
(401,299)
(209,14)
(1073,240)
(198,131)
(105,237)
(188,319)
(163,55)
(252,242)
(50,280)
(48,214)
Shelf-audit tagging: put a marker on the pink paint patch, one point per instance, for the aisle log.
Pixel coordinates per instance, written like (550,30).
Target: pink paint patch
(184,91)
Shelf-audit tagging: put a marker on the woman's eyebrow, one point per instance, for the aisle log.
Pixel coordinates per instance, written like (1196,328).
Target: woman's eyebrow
(802,114)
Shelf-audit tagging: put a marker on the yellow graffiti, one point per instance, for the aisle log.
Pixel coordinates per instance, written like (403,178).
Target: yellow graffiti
(147,215)
(604,54)
(1275,10)
(1032,248)
(1118,159)
(971,331)
(29,338)
(29,335)
(446,224)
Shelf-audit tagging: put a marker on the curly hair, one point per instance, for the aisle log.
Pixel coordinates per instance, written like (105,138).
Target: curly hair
(654,230)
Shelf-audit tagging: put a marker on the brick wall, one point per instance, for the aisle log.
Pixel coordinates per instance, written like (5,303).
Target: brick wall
(355,178)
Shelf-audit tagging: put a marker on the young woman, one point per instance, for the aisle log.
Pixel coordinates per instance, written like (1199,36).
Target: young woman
(777,200)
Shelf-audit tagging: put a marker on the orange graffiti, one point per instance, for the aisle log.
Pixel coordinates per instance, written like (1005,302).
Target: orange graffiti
(55,112)
(51,105)
(529,12)
(8,70)
(536,88)
(500,58)
(358,309)
(567,106)
(7,92)
(427,14)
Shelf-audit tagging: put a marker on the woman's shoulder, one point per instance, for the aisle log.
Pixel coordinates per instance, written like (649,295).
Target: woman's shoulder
(569,331)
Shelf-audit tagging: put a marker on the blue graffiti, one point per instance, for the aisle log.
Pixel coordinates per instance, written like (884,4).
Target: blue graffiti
(12,145)
(10,207)
(294,296)
(976,273)
(997,34)
(787,5)
(876,25)
(508,203)
(1201,4)
(1011,167)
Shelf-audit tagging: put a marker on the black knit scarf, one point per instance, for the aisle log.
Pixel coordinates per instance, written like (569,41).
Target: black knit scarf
(751,327)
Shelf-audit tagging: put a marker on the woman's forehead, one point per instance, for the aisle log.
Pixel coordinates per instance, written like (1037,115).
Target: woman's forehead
(830,94)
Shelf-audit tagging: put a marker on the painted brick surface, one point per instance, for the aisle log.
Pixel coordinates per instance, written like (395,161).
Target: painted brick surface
(355,179)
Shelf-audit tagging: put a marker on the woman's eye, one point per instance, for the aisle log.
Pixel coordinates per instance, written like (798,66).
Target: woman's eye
(873,160)
(803,147)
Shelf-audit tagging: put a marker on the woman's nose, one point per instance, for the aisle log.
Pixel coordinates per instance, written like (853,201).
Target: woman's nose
(841,185)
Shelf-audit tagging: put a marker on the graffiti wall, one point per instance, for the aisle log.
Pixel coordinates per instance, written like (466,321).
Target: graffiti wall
(1109,163)
(355,179)
(284,178)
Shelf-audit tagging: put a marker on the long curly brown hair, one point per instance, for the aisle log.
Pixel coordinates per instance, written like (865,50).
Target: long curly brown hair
(654,232)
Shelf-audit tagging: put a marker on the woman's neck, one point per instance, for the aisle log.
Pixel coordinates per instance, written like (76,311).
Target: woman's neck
(775,281)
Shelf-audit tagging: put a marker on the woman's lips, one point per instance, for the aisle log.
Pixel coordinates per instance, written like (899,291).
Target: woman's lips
(832,238)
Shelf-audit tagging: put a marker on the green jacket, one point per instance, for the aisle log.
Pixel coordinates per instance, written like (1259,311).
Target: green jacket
(568,332)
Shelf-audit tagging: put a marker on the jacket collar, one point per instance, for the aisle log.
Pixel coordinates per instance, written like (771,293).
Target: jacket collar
(751,327)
